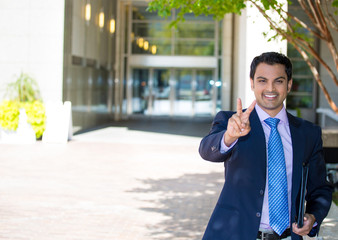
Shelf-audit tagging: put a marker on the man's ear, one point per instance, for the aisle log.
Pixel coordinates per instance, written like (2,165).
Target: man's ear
(289,85)
(252,84)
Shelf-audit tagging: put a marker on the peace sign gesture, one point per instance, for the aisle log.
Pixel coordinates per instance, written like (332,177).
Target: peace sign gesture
(238,124)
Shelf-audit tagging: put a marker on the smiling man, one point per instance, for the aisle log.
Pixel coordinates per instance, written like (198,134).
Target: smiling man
(264,149)
(271,84)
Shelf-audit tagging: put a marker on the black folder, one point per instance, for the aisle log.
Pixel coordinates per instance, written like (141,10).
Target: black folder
(305,172)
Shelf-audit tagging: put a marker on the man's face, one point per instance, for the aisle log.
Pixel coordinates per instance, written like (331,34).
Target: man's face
(270,86)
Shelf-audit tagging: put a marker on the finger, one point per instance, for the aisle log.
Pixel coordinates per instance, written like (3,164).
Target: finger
(297,230)
(239,122)
(295,227)
(242,122)
(301,231)
(246,114)
(239,107)
(245,130)
(235,124)
(250,108)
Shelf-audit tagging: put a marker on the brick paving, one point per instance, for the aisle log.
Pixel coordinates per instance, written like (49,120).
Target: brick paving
(112,183)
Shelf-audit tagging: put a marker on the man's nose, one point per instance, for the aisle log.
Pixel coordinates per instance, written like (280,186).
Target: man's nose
(270,87)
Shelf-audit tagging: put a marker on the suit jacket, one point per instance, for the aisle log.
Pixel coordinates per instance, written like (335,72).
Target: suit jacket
(237,214)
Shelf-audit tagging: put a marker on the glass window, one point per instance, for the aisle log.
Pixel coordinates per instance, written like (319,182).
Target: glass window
(191,16)
(141,13)
(152,29)
(155,46)
(195,30)
(300,67)
(195,36)
(194,47)
(302,94)
(303,84)
(299,101)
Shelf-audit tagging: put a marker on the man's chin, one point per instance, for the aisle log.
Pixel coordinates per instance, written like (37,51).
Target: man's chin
(271,107)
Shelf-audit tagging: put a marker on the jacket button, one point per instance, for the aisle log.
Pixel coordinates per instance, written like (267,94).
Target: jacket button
(261,192)
(258,214)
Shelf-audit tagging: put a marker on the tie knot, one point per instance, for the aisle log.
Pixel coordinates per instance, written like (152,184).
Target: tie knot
(272,122)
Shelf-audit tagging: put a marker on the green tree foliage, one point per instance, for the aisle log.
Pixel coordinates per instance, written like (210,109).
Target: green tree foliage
(321,22)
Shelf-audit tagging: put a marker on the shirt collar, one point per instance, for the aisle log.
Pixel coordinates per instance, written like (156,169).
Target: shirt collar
(282,115)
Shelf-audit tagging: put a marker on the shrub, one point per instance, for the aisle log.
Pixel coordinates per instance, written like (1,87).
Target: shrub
(23,93)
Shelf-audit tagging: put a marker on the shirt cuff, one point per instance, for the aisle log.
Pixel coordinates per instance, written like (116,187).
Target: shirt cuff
(225,148)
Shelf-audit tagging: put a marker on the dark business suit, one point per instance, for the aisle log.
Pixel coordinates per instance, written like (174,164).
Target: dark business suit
(238,211)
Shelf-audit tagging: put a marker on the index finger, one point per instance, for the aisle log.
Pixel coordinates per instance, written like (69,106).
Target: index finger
(239,107)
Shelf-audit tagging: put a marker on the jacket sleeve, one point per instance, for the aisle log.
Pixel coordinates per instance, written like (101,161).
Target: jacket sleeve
(319,191)
(211,144)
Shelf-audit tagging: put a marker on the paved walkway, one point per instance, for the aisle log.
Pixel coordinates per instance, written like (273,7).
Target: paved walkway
(112,183)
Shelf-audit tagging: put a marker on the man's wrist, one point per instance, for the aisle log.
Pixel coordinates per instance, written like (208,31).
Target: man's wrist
(228,141)
(224,148)
(312,217)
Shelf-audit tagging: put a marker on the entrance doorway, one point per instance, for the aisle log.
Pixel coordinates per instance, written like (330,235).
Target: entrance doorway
(173,91)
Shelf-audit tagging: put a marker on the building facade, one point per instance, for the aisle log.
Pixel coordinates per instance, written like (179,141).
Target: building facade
(113,60)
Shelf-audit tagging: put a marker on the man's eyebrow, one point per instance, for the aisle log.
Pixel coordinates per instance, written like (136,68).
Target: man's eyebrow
(281,77)
(261,77)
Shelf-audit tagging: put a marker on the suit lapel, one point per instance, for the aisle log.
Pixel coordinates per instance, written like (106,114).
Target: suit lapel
(297,146)
(256,127)
(258,137)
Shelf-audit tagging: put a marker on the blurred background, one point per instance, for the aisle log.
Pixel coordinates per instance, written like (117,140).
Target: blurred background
(127,70)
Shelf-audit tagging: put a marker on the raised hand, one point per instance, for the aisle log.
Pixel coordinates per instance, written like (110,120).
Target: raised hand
(238,124)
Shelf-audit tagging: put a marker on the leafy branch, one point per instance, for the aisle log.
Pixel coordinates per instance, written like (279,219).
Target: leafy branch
(321,23)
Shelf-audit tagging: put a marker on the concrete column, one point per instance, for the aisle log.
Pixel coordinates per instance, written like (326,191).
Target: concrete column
(31,41)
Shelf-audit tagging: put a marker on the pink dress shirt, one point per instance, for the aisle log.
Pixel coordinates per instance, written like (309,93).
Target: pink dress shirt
(284,132)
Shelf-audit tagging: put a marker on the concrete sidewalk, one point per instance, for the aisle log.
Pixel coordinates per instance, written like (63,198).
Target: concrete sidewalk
(112,183)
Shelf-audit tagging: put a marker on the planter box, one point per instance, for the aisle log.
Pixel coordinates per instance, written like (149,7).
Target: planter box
(23,135)
(17,137)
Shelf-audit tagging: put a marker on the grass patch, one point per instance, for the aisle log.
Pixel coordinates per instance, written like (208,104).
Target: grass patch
(335,198)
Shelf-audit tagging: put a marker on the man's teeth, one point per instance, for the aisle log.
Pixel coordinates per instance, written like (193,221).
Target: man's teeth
(270,96)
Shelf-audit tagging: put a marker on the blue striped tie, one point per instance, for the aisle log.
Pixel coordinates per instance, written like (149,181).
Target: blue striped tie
(278,188)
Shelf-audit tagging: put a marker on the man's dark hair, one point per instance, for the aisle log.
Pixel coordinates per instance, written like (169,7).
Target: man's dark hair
(271,58)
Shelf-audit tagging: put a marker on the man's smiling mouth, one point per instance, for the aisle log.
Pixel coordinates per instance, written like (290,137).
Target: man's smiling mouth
(270,95)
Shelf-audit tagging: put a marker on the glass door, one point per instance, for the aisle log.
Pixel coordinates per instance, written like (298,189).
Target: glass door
(152,92)
(204,92)
(194,92)
(173,92)
(183,101)
(141,91)
(162,104)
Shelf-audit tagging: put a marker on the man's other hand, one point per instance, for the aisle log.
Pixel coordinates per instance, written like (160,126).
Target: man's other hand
(309,220)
